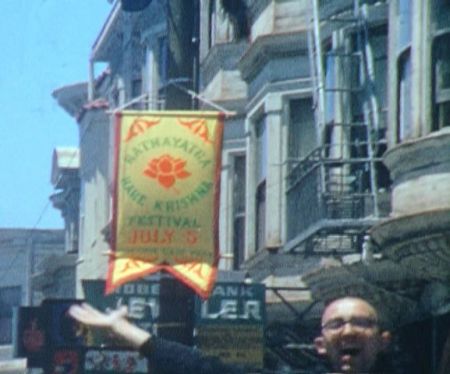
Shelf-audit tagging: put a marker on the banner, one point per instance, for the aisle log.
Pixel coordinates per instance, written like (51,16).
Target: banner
(166,197)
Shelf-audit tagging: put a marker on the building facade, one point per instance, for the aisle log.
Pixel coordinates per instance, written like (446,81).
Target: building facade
(336,168)
(145,68)
(22,251)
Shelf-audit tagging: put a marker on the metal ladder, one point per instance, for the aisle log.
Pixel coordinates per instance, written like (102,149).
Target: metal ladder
(357,22)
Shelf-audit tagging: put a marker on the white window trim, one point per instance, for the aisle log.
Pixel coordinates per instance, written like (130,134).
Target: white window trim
(271,106)
(226,217)
(275,107)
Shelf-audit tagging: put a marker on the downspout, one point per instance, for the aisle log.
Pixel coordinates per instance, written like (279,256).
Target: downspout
(91,81)
(196,54)
(29,271)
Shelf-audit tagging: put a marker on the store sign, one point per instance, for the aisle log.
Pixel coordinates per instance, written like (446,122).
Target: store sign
(230,324)
(66,360)
(62,329)
(46,335)
(233,303)
(238,344)
(102,361)
(30,338)
(140,297)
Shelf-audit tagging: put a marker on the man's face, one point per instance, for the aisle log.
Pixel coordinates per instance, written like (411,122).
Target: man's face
(351,338)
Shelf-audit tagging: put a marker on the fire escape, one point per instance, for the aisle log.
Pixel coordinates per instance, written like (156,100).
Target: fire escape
(339,190)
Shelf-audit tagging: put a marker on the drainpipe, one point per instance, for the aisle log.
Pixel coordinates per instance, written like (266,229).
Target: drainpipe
(91,81)
(29,271)
(196,53)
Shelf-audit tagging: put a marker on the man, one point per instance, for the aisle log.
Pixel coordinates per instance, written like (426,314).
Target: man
(351,340)
(165,357)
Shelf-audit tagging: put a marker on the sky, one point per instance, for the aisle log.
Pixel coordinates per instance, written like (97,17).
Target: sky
(45,45)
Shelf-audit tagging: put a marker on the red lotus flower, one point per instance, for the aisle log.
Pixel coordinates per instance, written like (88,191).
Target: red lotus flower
(166,170)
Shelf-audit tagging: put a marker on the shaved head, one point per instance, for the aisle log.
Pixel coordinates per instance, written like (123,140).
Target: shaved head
(347,304)
(351,337)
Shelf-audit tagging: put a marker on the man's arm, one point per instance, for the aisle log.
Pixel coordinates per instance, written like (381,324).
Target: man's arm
(115,322)
(164,356)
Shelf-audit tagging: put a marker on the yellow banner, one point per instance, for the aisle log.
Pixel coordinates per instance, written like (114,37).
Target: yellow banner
(166,198)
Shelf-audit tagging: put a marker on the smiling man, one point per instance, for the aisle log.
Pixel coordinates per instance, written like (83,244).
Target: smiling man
(351,337)
(351,340)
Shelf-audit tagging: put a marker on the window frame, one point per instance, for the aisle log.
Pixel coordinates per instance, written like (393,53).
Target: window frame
(6,311)
(404,102)
(261,153)
(238,212)
(440,96)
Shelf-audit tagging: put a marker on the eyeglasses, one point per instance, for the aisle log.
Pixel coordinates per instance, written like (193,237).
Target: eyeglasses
(358,323)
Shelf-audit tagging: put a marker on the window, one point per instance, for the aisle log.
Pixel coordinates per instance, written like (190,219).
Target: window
(150,80)
(237,13)
(301,131)
(440,13)
(239,172)
(441,82)
(163,58)
(404,125)
(261,174)
(212,23)
(115,97)
(368,75)
(82,217)
(9,297)
(330,83)
(136,91)
(404,22)
(117,93)
(378,38)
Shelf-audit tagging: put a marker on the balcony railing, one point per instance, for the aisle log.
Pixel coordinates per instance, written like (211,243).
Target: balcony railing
(326,189)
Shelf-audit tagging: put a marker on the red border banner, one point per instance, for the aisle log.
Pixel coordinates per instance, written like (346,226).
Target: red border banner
(166,197)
